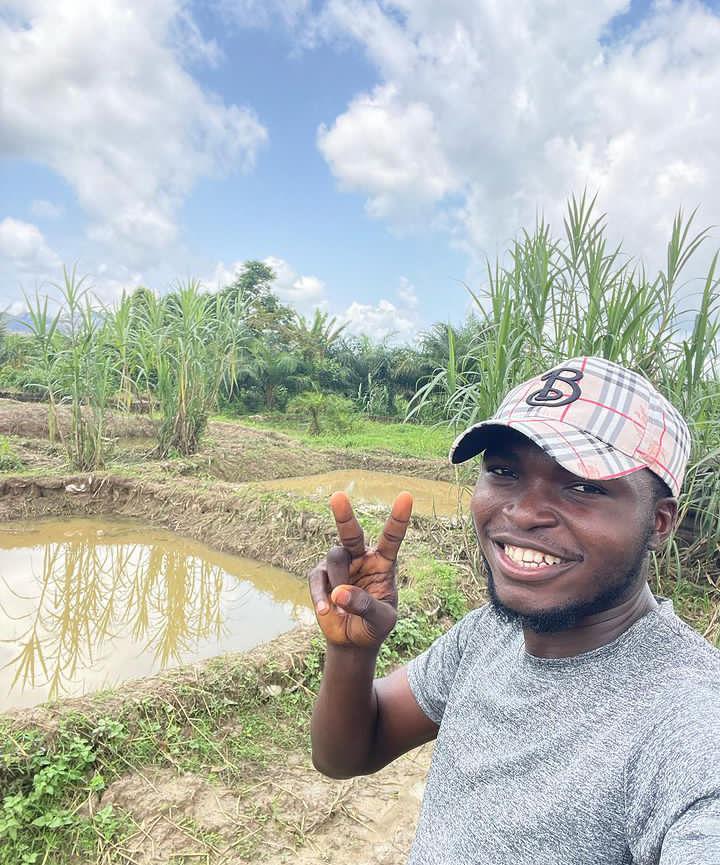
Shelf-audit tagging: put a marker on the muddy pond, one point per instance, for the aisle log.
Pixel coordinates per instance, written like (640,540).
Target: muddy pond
(430,498)
(85,604)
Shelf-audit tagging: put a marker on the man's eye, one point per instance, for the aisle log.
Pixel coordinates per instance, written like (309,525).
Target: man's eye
(501,471)
(589,489)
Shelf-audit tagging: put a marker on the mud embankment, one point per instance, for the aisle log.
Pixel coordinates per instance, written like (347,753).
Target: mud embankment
(280,809)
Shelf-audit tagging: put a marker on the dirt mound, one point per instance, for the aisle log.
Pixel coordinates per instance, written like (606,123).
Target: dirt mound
(228,451)
(31,419)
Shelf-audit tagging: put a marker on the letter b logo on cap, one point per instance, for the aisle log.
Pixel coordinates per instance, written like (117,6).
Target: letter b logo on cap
(553,396)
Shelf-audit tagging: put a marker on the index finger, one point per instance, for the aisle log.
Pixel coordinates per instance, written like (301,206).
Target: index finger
(395,528)
(349,529)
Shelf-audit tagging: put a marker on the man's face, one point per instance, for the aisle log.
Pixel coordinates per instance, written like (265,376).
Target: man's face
(590,537)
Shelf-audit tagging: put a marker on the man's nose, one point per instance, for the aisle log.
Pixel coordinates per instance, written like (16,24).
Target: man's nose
(530,507)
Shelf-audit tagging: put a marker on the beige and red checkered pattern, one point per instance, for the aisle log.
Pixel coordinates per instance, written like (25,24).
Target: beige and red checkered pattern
(596,418)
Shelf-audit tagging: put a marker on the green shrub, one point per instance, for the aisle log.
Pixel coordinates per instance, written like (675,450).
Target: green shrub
(9,460)
(434,585)
(322,412)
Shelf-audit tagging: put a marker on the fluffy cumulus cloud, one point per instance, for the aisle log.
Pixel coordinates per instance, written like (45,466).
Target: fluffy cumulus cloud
(23,246)
(395,321)
(391,150)
(304,293)
(490,111)
(101,93)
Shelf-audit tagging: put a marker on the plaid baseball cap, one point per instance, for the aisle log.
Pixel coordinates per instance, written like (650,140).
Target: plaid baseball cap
(596,418)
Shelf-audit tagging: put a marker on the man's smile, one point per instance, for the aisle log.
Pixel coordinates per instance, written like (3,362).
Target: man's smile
(528,564)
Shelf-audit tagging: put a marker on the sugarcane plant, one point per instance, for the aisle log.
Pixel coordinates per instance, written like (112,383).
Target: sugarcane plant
(190,344)
(76,369)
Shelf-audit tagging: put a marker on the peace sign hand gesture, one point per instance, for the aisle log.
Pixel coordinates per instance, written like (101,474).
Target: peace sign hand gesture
(353,589)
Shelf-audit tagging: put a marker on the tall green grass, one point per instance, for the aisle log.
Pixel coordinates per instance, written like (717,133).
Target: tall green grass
(189,344)
(76,370)
(559,297)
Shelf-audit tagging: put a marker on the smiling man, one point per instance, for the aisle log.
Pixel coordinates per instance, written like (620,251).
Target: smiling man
(577,718)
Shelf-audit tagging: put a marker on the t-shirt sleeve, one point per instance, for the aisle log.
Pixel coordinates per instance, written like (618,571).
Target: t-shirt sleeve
(432,673)
(672,780)
(695,836)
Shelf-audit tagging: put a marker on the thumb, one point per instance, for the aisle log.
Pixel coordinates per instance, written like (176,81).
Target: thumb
(379,617)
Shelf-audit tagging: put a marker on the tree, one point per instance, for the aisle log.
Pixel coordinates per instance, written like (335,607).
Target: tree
(251,295)
(314,339)
(273,371)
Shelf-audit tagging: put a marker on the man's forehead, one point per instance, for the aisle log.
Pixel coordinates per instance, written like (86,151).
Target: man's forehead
(509,442)
(512,445)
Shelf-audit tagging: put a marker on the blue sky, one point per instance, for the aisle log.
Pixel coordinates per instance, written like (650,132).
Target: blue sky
(373,152)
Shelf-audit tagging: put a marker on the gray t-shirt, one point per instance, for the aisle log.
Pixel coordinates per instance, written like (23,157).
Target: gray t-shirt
(611,756)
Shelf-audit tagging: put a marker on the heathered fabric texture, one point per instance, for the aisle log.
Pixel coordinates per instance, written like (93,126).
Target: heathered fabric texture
(571,761)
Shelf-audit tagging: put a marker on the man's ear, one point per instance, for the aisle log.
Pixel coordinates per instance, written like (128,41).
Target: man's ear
(666,514)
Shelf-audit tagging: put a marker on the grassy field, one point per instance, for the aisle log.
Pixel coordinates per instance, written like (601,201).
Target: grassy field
(408,440)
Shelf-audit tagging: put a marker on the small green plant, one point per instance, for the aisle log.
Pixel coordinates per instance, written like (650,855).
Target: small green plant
(39,817)
(9,460)
(433,585)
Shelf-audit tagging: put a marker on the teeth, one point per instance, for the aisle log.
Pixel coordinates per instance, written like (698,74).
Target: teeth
(530,558)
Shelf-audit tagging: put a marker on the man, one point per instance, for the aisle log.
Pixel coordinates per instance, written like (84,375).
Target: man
(577,718)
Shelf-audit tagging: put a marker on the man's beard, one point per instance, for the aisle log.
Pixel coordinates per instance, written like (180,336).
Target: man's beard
(564,617)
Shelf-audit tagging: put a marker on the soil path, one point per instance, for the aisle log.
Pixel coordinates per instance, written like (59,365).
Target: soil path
(292,814)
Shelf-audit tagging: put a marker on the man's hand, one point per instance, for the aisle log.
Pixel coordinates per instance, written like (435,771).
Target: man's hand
(353,589)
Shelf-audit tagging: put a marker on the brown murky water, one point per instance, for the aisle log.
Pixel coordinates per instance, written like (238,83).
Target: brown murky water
(430,497)
(86,603)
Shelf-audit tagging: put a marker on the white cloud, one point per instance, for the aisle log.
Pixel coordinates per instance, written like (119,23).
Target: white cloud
(395,321)
(107,283)
(379,321)
(303,293)
(24,247)
(488,112)
(391,150)
(221,275)
(18,307)
(406,293)
(99,92)
(43,209)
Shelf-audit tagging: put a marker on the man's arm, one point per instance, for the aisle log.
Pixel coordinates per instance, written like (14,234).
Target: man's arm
(361,724)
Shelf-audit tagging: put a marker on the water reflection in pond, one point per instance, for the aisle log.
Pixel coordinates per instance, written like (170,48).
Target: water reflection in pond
(87,603)
(430,497)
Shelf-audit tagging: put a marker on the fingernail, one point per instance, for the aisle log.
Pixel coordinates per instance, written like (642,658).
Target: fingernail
(342,597)
(322,607)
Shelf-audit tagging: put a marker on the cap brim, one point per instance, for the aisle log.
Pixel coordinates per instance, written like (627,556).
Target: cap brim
(575,450)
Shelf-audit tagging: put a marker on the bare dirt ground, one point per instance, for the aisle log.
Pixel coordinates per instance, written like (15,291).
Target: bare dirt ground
(301,816)
(30,419)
